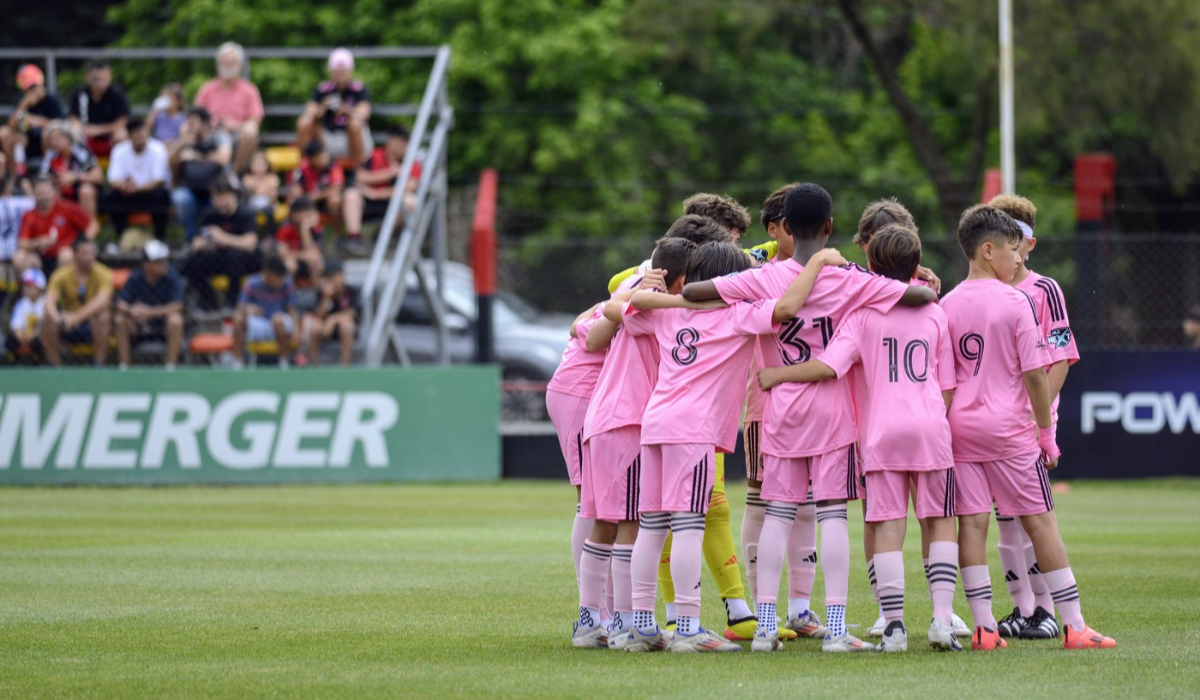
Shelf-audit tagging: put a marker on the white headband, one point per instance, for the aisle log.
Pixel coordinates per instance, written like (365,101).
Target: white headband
(1025,229)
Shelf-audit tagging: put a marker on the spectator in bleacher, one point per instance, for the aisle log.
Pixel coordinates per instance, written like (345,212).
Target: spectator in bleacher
(262,189)
(21,138)
(227,245)
(298,240)
(339,112)
(24,341)
(377,177)
(266,311)
(196,163)
(1191,327)
(234,103)
(336,316)
(13,207)
(77,300)
(50,229)
(324,182)
(99,110)
(166,114)
(72,166)
(150,305)
(139,176)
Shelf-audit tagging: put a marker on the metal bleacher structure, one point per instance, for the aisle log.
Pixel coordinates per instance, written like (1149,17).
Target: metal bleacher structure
(393,263)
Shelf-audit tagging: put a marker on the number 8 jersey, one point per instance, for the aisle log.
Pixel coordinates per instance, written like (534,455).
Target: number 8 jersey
(996,338)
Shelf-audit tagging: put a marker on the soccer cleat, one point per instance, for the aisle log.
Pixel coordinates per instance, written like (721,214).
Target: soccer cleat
(876,629)
(942,637)
(764,644)
(639,642)
(807,625)
(703,642)
(960,628)
(1087,638)
(744,630)
(583,638)
(1012,625)
(987,639)
(895,638)
(845,644)
(618,642)
(1040,625)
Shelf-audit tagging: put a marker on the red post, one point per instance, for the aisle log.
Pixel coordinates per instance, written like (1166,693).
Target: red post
(483,260)
(991,185)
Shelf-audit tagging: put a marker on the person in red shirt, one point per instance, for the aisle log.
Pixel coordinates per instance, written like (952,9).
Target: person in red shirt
(325,182)
(234,103)
(378,175)
(49,229)
(73,166)
(298,240)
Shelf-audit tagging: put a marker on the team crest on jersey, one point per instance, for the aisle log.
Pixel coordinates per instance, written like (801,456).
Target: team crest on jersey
(1060,337)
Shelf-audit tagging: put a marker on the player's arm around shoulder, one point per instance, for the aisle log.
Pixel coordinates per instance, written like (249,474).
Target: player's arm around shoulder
(793,299)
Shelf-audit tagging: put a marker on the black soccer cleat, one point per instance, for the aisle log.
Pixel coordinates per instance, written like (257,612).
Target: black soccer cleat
(1040,625)
(1012,625)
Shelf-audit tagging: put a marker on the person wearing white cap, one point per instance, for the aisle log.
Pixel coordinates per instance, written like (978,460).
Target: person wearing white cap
(339,111)
(150,306)
(26,322)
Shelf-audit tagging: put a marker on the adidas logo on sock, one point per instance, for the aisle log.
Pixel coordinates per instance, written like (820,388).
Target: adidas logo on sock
(1011,576)
(731,562)
(812,558)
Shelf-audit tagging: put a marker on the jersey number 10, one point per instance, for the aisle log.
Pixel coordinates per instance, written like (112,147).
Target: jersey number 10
(910,364)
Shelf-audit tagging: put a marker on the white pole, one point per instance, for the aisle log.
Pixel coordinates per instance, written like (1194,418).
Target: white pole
(1008,156)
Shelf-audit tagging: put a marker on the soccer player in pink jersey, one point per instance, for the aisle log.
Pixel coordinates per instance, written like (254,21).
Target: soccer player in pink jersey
(1002,449)
(611,458)
(907,367)
(809,429)
(693,413)
(1033,608)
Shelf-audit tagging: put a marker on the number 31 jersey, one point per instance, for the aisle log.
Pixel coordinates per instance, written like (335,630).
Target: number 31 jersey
(996,337)
(802,420)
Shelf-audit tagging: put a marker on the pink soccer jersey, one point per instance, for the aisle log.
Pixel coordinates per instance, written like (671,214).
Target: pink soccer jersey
(905,361)
(578,370)
(996,337)
(1052,312)
(623,387)
(705,358)
(803,420)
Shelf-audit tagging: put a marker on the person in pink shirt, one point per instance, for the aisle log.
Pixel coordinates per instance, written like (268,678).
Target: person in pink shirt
(907,366)
(235,105)
(1033,608)
(1002,448)
(692,414)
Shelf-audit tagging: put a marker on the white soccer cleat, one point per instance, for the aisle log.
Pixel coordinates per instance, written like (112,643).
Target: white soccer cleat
(807,625)
(942,637)
(761,643)
(846,643)
(876,629)
(703,642)
(639,642)
(960,627)
(618,641)
(895,638)
(583,638)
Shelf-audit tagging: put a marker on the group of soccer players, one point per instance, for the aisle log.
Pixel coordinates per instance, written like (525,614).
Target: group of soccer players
(851,384)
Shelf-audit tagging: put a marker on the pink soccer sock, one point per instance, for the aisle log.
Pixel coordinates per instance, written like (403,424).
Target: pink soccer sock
(687,556)
(579,532)
(978,587)
(752,525)
(835,552)
(771,547)
(802,552)
(622,585)
(593,579)
(647,550)
(942,574)
(1037,582)
(1066,597)
(1012,560)
(889,572)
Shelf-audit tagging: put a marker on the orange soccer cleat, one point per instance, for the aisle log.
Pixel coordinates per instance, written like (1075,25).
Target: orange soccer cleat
(985,639)
(1086,638)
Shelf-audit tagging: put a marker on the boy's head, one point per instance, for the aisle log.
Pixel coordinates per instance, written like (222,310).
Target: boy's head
(895,252)
(723,210)
(334,272)
(771,217)
(316,154)
(991,238)
(224,196)
(32,283)
(304,210)
(671,254)
(878,214)
(808,212)
(1023,212)
(274,272)
(713,260)
(697,229)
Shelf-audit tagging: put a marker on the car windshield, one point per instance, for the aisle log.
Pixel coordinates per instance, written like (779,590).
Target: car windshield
(509,309)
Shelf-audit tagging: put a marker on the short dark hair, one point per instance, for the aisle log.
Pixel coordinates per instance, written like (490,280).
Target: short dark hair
(221,185)
(806,209)
(399,131)
(724,210)
(713,260)
(81,241)
(672,254)
(46,179)
(274,265)
(134,124)
(200,112)
(880,213)
(983,222)
(302,203)
(313,148)
(97,64)
(697,229)
(772,208)
(895,252)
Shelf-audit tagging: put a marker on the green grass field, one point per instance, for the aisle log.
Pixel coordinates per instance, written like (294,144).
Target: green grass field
(468,590)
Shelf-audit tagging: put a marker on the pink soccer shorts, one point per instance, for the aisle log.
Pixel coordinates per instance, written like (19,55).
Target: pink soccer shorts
(1018,486)
(567,413)
(677,478)
(610,475)
(932,493)
(833,476)
(752,440)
